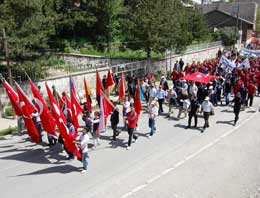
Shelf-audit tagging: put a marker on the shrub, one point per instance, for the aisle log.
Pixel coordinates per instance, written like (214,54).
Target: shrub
(7,131)
(9,111)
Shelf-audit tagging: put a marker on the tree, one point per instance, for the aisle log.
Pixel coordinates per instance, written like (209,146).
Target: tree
(107,27)
(197,26)
(228,35)
(258,22)
(27,30)
(157,25)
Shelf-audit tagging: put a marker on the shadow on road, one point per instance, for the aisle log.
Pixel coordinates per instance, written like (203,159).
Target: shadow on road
(200,129)
(227,111)
(36,156)
(63,169)
(230,122)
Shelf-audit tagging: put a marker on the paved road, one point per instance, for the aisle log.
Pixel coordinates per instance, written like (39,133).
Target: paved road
(222,162)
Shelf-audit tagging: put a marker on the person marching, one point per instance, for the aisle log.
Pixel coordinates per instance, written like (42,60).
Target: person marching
(153,112)
(114,119)
(251,93)
(82,141)
(96,134)
(207,109)
(237,106)
(193,111)
(131,120)
(172,100)
(161,96)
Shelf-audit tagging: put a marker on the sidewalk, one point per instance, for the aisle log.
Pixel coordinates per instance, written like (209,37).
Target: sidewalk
(6,123)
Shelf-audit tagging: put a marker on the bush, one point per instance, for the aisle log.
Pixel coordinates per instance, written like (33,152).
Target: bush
(7,131)
(228,35)
(9,111)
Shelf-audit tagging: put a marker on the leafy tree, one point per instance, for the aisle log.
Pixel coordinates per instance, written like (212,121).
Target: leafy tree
(258,22)
(228,35)
(158,25)
(28,28)
(197,26)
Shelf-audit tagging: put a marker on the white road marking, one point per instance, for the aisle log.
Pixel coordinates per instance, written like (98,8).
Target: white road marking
(189,157)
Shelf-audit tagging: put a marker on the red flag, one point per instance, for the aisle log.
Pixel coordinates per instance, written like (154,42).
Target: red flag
(61,102)
(60,119)
(22,97)
(13,96)
(68,106)
(122,88)
(99,86)
(105,109)
(88,94)
(138,105)
(76,110)
(47,120)
(110,80)
(29,124)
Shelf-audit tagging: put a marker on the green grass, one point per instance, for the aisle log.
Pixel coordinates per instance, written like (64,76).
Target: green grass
(7,131)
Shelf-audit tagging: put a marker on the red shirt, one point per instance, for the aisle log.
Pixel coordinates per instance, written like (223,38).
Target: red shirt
(236,87)
(187,69)
(132,118)
(174,75)
(251,89)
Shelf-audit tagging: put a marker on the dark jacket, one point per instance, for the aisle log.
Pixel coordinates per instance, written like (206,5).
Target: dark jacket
(114,118)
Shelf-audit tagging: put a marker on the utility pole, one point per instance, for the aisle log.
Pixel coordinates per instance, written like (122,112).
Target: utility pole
(10,77)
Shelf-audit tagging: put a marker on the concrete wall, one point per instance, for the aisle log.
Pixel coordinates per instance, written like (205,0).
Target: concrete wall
(167,64)
(94,61)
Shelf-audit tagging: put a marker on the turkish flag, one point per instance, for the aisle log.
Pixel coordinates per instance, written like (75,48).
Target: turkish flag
(61,101)
(22,97)
(110,80)
(29,124)
(28,109)
(88,95)
(138,105)
(99,86)
(106,108)
(122,88)
(68,106)
(47,120)
(14,99)
(76,109)
(60,119)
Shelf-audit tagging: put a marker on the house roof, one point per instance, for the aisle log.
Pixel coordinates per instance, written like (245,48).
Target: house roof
(229,14)
(247,10)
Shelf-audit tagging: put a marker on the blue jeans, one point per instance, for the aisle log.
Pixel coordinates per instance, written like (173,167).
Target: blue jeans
(151,123)
(85,160)
(227,98)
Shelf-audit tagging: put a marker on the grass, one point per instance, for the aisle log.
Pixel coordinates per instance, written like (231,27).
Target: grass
(7,131)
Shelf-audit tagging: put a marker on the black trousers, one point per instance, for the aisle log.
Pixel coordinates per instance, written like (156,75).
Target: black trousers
(250,98)
(160,101)
(115,132)
(206,119)
(195,119)
(236,112)
(131,135)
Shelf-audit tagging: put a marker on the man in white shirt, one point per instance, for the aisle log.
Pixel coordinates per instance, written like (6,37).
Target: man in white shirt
(207,109)
(152,94)
(82,142)
(161,96)
(153,112)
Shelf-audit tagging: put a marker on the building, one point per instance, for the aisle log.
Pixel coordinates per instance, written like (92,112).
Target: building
(240,14)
